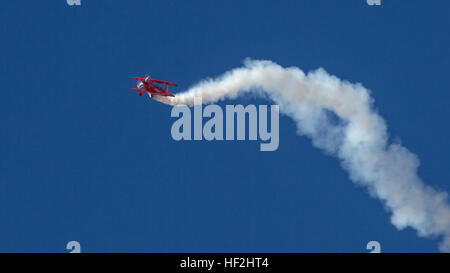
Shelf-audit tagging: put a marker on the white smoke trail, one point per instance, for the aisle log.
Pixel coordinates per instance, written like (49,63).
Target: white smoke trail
(339,118)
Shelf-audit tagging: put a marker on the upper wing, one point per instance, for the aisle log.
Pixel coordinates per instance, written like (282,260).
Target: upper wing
(162,82)
(138,79)
(152,80)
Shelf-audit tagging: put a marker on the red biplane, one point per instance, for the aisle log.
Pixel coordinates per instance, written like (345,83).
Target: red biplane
(147,85)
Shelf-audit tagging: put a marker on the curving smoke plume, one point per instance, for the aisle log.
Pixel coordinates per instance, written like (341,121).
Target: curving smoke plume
(339,118)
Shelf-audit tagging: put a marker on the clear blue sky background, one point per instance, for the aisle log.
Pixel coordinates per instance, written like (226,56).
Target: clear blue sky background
(84,158)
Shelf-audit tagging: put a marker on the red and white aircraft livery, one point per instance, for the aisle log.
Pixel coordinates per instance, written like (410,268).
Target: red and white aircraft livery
(147,85)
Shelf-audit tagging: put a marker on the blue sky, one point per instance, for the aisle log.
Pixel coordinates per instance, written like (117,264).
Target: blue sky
(83,158)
